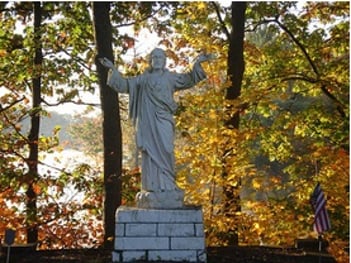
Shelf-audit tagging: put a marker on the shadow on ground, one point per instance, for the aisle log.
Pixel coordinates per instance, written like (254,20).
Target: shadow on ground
(237,254)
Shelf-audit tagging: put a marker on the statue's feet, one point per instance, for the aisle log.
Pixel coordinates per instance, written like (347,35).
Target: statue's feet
(168,199)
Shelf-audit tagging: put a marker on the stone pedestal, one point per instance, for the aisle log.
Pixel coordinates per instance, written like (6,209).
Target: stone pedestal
(159,235)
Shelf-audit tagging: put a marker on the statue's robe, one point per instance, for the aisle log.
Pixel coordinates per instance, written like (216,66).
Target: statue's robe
(151,108)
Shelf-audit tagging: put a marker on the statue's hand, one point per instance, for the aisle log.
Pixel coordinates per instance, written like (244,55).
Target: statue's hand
(106,63)
(205,57)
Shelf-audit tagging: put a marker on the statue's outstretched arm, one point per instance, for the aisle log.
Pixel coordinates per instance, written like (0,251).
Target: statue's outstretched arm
(205,57)
(115,79)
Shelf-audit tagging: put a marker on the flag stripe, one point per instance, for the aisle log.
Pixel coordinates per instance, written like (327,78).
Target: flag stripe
(321,217)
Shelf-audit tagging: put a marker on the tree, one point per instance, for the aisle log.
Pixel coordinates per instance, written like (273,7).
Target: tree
(111,122)
(235,72)
(33,137)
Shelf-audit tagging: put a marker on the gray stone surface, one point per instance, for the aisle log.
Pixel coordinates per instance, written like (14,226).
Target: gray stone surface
(159,235)
(181,230)
(125,214)
(165,199)
(173,255)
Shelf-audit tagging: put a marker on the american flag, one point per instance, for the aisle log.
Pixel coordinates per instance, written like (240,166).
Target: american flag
(321,217)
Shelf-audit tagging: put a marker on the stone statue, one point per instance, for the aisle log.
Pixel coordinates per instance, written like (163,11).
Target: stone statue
(151,108)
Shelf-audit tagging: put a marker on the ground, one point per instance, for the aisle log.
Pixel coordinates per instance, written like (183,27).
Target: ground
(240,254)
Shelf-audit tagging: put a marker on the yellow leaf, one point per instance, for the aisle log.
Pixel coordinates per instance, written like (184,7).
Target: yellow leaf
(212,114)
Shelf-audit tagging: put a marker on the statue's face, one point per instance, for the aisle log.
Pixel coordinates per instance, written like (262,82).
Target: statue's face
(158,60)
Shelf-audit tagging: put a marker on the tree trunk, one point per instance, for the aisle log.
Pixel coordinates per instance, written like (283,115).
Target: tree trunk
(32,162)
(235,73)
(111,122)
(236,63)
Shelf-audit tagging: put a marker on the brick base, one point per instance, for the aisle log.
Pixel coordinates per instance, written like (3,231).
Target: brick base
(159,235)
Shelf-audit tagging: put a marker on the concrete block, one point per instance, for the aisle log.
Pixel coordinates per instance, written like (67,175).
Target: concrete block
(175,235)
(141,243)
(176,230)
(119,230)
(201,256)
(187,243)
(116,256)
(140,230)
(175,255)
(131,256)
(136,215)
(199,230)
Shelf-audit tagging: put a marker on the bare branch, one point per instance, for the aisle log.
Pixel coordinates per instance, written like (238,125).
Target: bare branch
(224,28)
(12,104)
(259,23)
(69,101)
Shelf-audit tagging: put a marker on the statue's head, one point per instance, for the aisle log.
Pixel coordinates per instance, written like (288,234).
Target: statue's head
(157,59)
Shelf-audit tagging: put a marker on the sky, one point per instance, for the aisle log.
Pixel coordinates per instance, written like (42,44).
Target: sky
(145,43)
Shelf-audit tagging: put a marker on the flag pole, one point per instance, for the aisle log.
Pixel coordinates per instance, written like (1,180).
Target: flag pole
(319,247)
(320,242)
(9,240)
(319,234)
(8,253)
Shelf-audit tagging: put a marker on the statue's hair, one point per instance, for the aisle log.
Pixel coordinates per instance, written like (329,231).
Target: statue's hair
(150,58)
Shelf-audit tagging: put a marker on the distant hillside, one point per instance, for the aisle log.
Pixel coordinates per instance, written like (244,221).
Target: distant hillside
(48,123)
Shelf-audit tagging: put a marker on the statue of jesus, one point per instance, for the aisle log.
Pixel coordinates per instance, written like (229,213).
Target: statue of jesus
(151,108)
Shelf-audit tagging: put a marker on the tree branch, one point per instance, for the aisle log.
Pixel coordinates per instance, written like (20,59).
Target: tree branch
(339,105)
(12,104)
(303,49)
(224,28)
(323,87)
(17,131)
(142,19)
(256,25)
(69,101)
